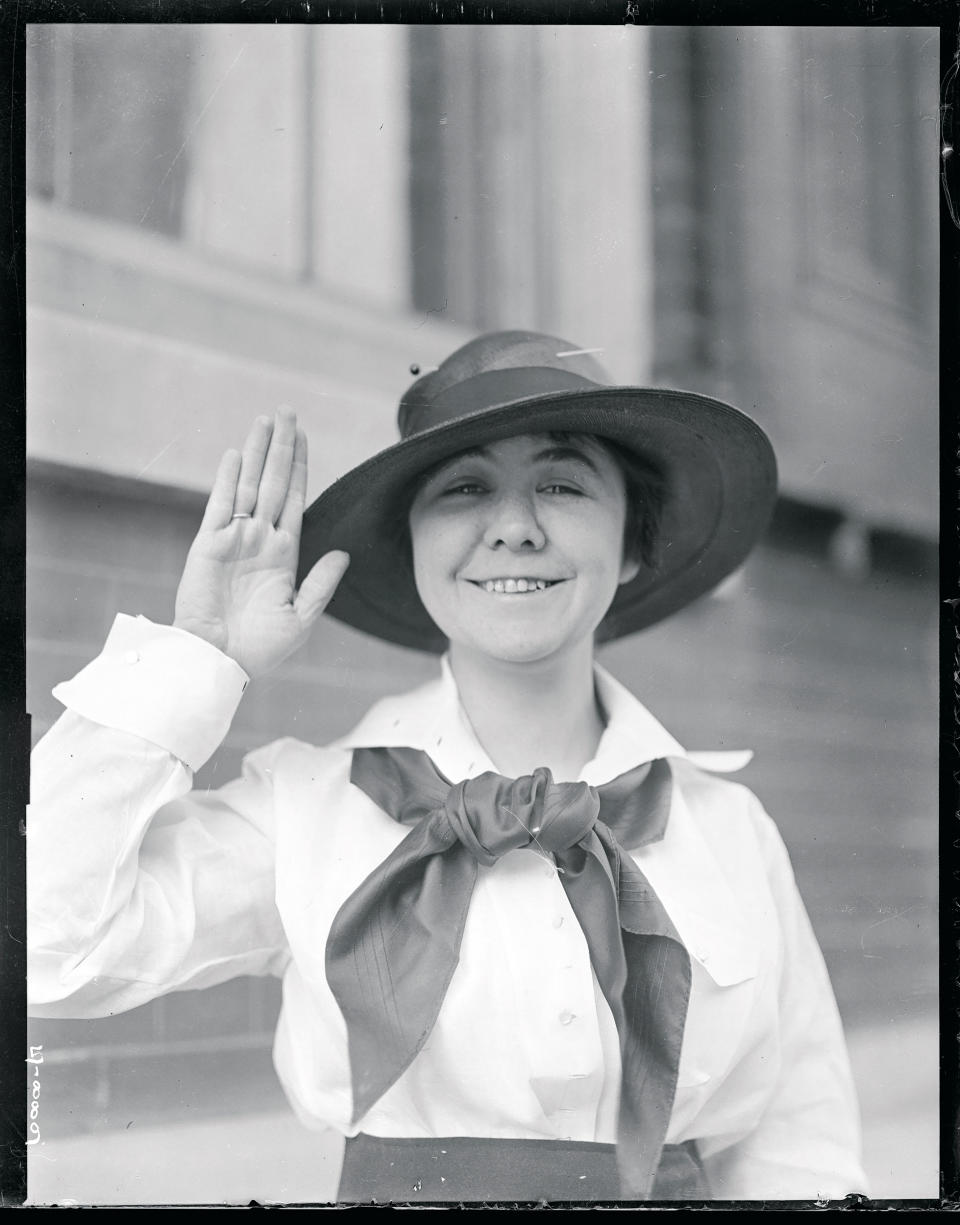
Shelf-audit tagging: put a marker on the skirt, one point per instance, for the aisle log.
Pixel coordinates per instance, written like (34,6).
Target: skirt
(466,1168)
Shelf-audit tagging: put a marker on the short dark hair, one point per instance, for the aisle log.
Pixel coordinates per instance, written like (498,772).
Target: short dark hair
(643,484)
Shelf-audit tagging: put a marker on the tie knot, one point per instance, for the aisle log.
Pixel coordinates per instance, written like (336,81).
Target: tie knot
(491,815)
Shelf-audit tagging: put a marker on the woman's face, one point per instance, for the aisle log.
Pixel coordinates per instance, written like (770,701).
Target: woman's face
(518,546)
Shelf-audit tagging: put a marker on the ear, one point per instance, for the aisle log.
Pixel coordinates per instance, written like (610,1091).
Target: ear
(629,570)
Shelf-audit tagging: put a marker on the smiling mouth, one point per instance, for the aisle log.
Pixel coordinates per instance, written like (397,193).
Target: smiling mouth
(515,586)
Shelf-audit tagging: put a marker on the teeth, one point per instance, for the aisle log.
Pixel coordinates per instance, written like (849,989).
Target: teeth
(515,586)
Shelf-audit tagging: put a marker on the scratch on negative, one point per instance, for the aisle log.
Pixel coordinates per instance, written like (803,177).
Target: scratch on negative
(897,914)
(161,452)
(533,837)
(193,128)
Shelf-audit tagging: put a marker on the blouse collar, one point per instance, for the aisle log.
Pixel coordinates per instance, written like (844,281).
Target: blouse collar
(432,718)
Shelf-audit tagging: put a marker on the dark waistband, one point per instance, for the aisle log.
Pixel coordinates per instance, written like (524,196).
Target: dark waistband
(397,1170)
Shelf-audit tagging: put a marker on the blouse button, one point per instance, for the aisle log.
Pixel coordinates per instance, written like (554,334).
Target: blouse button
(558,921)
(565,1017)
(131,657)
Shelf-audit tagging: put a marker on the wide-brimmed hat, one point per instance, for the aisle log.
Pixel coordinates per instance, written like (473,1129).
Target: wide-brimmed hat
(717,466)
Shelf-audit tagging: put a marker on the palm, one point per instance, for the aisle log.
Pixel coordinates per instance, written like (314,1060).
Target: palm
(238,587)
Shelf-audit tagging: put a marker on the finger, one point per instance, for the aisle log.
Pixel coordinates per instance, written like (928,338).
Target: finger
(318,587)
(220,503)
(275,478)
(292,514)
(251,465)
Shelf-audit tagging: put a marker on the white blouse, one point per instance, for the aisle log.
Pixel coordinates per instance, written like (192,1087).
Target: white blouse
(139,885)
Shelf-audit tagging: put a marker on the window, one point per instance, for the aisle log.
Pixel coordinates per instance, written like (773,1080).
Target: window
(276,148)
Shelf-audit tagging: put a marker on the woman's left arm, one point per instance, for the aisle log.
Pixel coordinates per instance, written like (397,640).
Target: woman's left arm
(807,1142)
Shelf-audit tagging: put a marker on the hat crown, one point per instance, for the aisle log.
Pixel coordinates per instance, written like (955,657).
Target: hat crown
(549,364)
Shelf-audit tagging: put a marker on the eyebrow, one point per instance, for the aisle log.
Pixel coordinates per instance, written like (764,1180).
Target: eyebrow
(443,467)
(567,453)
(546,455)
(470,453)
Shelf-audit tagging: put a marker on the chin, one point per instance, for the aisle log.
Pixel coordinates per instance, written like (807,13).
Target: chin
(525,648)
(519,654)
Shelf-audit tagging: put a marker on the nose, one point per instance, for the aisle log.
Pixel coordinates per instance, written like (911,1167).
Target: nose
(513,523)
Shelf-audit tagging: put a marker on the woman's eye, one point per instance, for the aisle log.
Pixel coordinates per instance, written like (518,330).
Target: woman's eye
(560,487)
(463,487)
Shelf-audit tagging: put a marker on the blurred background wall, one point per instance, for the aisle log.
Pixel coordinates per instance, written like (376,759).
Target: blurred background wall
(223,218)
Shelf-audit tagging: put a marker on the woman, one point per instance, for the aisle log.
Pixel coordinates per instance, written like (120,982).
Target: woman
(531,947)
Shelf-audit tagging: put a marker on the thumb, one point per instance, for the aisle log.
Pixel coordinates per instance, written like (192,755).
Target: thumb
(318,587)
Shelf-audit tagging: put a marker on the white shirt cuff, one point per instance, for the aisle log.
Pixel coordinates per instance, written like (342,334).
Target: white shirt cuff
(162,684)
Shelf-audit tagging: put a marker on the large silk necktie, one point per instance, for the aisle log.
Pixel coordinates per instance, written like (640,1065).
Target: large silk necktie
(395,942)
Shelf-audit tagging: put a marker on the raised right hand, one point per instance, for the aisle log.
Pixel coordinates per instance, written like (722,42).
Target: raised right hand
(237,591)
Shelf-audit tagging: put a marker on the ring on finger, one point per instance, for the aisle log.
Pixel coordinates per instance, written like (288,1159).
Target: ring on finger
(241,514)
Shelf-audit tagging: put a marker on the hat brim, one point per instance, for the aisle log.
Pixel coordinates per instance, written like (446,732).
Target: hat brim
(720,481)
